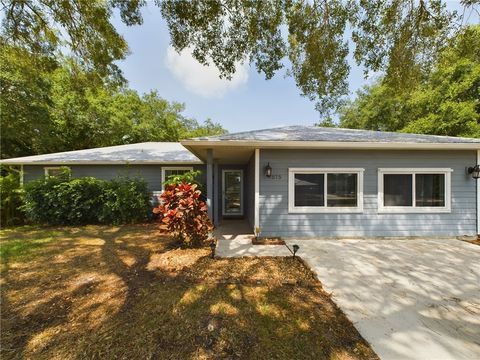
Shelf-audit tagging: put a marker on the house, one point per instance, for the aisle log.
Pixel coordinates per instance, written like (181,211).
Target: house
(301,181)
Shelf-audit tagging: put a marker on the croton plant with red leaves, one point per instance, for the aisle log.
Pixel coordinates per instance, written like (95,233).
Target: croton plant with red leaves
(183,213)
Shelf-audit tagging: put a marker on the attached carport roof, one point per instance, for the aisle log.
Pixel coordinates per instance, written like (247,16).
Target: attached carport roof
(141,153)
(314,137)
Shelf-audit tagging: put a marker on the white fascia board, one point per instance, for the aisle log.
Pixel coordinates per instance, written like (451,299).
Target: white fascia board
(333,145)
(101,162)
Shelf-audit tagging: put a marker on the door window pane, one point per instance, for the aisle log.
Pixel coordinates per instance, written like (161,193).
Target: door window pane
(430,189)
(397,189)
(342,190)
(233,193)
(309,190)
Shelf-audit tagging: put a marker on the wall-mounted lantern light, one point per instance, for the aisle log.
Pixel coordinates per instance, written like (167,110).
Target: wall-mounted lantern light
(474,171)
(268,170)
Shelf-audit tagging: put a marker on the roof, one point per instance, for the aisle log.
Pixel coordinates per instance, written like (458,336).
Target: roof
(325,134)
(141,153)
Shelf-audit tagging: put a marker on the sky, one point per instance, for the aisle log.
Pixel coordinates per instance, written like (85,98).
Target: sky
(247,102)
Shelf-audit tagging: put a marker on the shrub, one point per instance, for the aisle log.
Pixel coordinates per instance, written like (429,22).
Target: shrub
(183,212)
(11,200)
(125,200)
(61,200)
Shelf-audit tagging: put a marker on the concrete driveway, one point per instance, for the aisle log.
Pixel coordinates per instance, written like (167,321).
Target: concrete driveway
(410,299)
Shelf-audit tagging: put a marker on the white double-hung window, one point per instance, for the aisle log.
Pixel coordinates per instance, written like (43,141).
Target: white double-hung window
(327,190)
(174,170)
(414,190)
(55,170)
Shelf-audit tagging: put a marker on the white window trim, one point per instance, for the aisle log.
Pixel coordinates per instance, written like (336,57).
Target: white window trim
(415,209)
(324,209)
(48,168)
(187,168)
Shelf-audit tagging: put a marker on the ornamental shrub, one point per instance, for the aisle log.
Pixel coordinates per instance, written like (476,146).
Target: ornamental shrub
(182,211)
(125,200)
(61,200)
(11,199)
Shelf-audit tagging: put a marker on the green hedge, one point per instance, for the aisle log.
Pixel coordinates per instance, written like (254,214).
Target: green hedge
(11,195)
(61,200)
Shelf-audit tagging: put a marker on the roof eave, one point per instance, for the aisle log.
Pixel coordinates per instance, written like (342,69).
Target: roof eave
(191,144)
(99,162)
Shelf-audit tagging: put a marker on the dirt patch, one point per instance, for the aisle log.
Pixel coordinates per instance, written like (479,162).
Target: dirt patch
(130,292)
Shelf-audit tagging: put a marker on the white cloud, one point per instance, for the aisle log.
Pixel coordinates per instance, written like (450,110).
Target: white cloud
(203,80)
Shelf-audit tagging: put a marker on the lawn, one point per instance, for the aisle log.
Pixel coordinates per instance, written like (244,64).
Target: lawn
(129,292)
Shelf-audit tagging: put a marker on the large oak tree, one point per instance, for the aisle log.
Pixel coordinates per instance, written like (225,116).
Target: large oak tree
(398,37)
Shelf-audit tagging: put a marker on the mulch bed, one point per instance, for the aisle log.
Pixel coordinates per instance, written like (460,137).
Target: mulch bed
(475,242)
(268,241)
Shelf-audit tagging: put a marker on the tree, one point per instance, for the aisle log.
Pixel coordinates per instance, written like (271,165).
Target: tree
(447,102)
(398,37)
(66,108)
(79,28)
(24,101)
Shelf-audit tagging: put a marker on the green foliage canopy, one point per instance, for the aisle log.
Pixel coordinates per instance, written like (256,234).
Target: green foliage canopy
(50,106)
(447,102)
(398,37)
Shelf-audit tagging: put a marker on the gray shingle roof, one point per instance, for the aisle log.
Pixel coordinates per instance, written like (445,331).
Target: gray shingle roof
(315,133)
(142,153)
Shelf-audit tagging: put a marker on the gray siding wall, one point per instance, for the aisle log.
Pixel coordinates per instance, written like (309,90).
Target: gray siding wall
(276,220)
(151,173)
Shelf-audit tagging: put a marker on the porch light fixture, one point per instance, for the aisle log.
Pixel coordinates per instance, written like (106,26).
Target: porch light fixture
(474,171)
(295,249)
(268,170)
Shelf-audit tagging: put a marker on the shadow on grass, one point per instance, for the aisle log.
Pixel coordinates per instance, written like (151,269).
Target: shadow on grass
(127,292)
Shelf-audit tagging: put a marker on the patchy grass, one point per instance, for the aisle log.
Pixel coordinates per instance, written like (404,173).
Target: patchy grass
(130,293)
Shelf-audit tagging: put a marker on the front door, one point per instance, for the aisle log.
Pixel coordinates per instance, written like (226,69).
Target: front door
(232,192)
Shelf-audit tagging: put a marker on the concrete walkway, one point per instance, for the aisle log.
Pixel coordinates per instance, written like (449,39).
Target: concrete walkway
(234,239)
(410,299)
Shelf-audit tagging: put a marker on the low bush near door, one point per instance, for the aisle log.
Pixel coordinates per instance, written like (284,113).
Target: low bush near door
(182,211)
